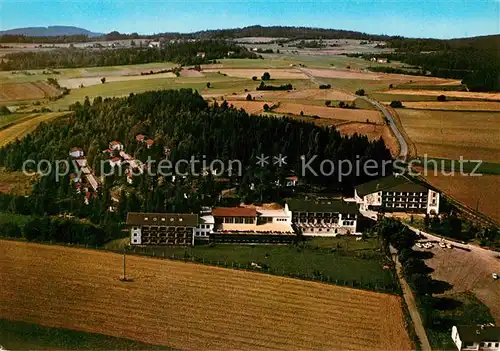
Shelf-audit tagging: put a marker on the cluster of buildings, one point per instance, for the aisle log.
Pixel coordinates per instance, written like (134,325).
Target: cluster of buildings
(327,217)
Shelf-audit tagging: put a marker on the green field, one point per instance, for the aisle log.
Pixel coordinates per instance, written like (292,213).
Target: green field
(13,117)
(13,218)
(16,335)
(328,259)
(447,165)
(221,84)
(440,314)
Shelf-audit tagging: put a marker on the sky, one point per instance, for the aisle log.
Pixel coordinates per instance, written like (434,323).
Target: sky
(411,18)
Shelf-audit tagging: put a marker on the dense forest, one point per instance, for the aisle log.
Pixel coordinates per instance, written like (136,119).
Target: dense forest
(182,122)
(478,68)
(184,53)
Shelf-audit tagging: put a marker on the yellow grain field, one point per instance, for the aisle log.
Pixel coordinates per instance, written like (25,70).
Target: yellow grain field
(189,306)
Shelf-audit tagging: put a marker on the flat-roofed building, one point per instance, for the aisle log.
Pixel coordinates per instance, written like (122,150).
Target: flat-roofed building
(246,224)
(328,217)
(162,228)
(397,193)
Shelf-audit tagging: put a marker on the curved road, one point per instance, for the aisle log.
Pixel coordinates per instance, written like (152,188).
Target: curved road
(403,149)
(403,146)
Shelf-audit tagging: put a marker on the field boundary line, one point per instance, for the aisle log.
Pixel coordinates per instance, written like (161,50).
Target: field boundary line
(231,265)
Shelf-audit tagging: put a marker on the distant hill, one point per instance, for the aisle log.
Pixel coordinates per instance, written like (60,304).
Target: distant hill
(50,31)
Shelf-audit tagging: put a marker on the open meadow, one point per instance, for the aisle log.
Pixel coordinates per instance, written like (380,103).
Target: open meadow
(481,192)
(183,305)
(25,126)
(451,134)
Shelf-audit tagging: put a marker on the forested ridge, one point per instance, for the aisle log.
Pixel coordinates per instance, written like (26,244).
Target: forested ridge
(184,123)
(183,53)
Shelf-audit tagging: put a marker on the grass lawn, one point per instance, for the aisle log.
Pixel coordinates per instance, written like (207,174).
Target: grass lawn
(13,218)
(455,309)
(16,335)
(342,258)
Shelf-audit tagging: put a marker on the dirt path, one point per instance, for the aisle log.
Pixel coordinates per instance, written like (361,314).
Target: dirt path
(412,307)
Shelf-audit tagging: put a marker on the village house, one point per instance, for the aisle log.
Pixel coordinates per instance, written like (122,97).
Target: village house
(324,217)
(176,229)
(140,138)
(476,337)
(292,181)
(115,161)
(76,152)
(397,193)
(149,143)
(115,146)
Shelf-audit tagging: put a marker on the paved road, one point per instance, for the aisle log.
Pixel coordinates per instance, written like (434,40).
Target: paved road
(403,149)
(412,306)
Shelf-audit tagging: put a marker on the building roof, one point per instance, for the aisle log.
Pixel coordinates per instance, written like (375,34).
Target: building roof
(477,333)
(208,219)
(330,205)
(76,148)
(114,142)
(272,213)
(391,183)
(150,141)
(162,219)
(234,212)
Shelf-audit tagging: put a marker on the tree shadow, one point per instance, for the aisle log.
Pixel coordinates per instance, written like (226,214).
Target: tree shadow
(446,303)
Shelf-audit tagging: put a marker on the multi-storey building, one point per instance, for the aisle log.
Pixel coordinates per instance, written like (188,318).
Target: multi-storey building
(324,217)
(162,228)
(476,337)
(397,193)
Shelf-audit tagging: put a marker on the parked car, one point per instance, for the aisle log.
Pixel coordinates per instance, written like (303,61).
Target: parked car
(495,276)
(448,245)
(443,245)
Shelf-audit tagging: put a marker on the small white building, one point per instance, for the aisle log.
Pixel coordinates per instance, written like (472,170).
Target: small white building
(205,227)
(76,152)
(115,146)
(476,337)
(201,54)
(154,44)
(115,161)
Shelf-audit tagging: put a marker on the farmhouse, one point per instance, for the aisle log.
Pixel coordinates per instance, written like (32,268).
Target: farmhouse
(115,146)
(480,337)
(324,217)
(115,161)
(76,152)
(162,228)
(397,193)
